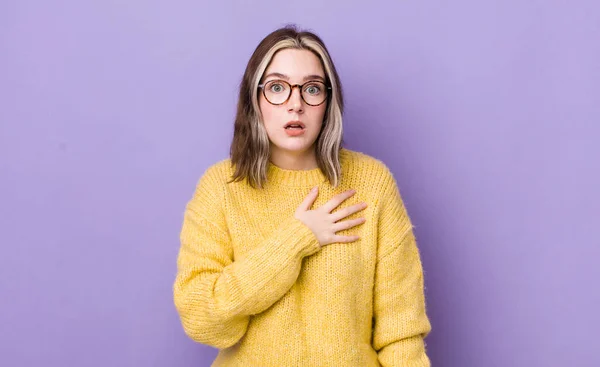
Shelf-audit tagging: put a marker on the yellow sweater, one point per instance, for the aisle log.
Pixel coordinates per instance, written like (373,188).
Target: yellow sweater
(253,281)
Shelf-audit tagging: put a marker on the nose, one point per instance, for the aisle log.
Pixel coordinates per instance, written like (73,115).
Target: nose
(295,101)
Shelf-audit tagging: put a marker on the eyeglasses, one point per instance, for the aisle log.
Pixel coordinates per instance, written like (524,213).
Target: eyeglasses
(277,92)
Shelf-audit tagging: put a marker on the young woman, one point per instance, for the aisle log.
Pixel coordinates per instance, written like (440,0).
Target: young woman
(296,251)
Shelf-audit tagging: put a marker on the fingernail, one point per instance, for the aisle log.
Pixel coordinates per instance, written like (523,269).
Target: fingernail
(314,188)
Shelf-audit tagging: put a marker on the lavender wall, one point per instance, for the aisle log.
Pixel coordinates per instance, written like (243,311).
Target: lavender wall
(487,112)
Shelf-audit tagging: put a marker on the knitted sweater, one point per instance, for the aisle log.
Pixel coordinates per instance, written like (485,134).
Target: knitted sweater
(254,282)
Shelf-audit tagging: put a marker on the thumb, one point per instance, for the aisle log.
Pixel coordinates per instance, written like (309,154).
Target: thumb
(309,199)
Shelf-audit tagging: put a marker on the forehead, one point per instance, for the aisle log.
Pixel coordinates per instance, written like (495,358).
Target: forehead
(295,63)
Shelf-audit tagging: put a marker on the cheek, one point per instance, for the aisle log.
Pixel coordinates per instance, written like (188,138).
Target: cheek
(320,112)
(268,112)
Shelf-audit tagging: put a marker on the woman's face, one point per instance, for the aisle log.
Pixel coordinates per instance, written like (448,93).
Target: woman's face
(295,67)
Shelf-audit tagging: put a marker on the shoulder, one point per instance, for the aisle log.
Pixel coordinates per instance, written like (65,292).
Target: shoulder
(221,169)
(373,175)
(362,166)
(216,174)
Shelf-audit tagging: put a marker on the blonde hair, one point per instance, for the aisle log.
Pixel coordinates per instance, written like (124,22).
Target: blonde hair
(250,147)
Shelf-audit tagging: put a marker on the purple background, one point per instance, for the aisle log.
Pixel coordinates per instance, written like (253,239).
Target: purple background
(488,114)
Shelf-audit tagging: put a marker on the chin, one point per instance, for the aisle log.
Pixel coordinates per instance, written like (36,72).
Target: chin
(299,146)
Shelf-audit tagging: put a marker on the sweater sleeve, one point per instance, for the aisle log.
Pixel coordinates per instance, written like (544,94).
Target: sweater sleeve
(400,320)
(215,294)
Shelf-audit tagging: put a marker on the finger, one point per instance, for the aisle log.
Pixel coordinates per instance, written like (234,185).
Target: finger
(347,224)
(345,239)
(343,213)
(309,199)
(337,200)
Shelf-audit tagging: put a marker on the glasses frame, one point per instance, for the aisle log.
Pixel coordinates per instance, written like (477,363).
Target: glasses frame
(300,86)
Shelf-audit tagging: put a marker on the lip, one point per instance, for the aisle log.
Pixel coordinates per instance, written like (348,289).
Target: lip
(296,122)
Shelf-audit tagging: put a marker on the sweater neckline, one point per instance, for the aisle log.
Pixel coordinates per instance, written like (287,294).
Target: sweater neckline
(297,178)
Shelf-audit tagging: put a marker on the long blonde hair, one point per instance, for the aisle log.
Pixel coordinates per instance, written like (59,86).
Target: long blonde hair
(250,147)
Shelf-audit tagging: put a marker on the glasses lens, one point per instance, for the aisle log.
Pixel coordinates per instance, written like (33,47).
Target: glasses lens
(277,91)
(314,93)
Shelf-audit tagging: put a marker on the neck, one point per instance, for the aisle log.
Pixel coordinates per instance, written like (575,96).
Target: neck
(289,160)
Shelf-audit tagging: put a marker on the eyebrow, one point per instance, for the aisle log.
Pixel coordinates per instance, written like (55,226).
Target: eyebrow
(308,77)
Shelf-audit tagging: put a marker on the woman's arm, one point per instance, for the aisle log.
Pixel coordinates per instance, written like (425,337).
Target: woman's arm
(401,323)
(215,295)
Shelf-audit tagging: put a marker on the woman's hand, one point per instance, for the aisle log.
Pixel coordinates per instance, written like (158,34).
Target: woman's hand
(323,223)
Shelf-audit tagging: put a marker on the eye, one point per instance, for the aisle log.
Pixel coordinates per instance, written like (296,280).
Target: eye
(313,89)
(276,87)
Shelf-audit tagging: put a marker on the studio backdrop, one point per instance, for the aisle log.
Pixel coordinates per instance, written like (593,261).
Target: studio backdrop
(487,112)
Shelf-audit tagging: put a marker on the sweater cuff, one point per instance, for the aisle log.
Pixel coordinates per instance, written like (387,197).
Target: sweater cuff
(293,231)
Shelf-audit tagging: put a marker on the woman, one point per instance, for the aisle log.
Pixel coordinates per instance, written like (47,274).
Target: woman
(270,281)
